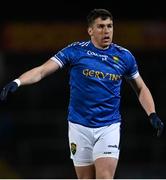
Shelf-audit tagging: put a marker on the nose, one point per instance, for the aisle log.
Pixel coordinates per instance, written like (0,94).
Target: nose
(106,29)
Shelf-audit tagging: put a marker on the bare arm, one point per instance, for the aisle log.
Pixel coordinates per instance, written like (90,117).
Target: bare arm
(144,95)
(36,74)
(32,76)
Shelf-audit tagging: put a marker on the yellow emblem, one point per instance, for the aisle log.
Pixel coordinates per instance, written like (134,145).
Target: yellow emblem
(73,148)
(116,58)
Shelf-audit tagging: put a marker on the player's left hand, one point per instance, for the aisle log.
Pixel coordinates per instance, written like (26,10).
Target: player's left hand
(156,123)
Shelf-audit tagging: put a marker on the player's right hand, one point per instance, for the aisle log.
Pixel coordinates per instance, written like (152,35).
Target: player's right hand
(10,87)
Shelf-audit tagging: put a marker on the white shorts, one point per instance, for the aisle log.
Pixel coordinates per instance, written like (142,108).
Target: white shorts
(88,144)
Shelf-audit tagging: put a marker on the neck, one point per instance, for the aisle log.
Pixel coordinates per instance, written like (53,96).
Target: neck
(99,46)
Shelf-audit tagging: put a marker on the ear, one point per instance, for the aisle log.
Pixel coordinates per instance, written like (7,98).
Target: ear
(90,31)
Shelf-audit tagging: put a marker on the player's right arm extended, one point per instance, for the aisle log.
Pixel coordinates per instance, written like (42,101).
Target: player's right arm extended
(36,74)
(30,77)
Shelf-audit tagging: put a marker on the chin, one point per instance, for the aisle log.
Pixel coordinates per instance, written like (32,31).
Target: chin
(106,45)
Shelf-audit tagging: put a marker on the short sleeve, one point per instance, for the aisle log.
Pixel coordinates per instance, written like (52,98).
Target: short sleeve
(132,67)
(65,56)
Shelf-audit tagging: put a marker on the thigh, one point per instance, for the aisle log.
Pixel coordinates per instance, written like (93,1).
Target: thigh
(106,151)
(107,142)
(81,147)
(81,151)
(85,172)
(105,167)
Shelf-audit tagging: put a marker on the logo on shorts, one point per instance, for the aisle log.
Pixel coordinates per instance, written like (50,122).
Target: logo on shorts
(73,148)
(107,152)
(113,146)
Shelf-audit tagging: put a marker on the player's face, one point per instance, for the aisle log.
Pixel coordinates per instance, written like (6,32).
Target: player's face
(101,32)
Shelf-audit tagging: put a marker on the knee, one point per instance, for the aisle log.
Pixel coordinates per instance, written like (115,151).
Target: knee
(104,174)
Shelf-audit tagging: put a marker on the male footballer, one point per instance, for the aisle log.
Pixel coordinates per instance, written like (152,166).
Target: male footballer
(97,67)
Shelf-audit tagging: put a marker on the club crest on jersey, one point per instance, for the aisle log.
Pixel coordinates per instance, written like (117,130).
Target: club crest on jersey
(116,59)
(73,148)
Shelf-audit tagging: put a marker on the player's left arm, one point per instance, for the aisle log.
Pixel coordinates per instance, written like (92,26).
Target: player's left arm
(146,100)
(143,94)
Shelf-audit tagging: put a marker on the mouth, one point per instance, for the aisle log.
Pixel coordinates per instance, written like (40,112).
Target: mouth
(106,39)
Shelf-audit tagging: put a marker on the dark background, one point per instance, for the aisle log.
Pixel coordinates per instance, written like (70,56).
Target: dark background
(33,126)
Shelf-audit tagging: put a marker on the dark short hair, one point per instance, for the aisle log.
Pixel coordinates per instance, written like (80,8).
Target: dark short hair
(96,13)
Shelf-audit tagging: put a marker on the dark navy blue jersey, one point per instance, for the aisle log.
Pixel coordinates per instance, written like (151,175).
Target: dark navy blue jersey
(95,81)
